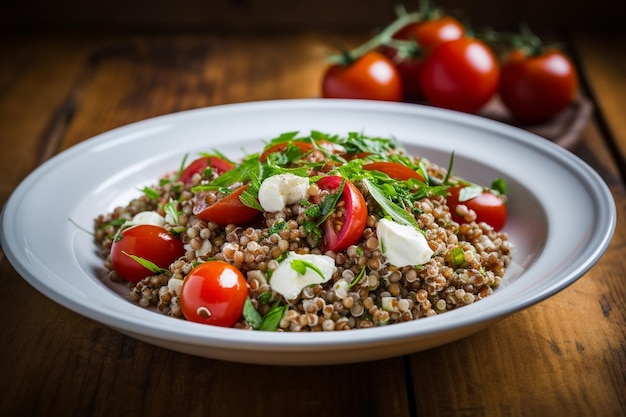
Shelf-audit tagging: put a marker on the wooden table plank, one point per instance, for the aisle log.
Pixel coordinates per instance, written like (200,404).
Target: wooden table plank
(563,357)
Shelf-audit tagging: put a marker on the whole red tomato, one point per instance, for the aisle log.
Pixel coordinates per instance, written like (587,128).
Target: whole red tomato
(146,241)
(461,74)
(214,292)
(432,32)
(372,76)
(426,34)
(536,87)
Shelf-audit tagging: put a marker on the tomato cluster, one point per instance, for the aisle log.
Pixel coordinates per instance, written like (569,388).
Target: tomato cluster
(431,57)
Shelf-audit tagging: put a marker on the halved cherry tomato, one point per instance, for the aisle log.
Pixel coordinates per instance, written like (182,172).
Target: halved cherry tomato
(489,208)
(214,292)
(394,169)
(344,227)
(461,75)
(199,165)
(146,241)
(372,76)
(226,210)
(536,88)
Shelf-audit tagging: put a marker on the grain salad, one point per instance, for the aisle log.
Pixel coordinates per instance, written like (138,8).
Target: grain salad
(314,232)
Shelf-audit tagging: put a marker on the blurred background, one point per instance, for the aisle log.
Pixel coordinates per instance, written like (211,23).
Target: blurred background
(280,15)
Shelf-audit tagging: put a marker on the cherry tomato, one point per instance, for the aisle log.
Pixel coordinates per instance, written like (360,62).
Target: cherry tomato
(371,76)
(146,241)
(199,165)
(432,32)
(214,292)
(536,88)
(226,210)
(489,207)
(462,75)
(394,169)
(344,227)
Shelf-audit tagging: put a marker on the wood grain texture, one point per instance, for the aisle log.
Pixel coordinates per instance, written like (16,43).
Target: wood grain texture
(563,357)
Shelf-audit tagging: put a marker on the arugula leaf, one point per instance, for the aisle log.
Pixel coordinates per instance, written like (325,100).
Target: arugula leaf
(396,212)
(147,264)
(151,193)
(251,315)
(300,266)
(170,209)
(272,319)
(470,192)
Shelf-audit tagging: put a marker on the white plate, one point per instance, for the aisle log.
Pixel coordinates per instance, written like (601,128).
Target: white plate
(562,218)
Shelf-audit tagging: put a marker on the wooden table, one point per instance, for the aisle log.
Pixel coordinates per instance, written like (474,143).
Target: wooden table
(563,357)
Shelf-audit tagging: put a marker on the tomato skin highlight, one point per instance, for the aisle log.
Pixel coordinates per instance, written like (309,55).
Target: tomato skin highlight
(536,88)
(372,76)
(214,292)
(394,169)
(489,208)
(199,165)
(432,32)
(227,210)
(461,75)
(355,216)
(146,241)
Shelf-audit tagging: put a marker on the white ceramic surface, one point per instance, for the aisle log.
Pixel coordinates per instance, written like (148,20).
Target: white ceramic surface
(562,218)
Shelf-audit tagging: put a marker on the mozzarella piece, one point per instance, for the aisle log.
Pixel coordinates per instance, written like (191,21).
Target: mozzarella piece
(147,217)
(280,190)
(288,282)
(402,244)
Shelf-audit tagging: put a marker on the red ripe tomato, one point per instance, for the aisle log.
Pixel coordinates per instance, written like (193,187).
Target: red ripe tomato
(427,34)
(372,76)
(199,165)
(394,169)
(226,210)
(461,75)
(214,292)
(344,227)
(489,207)
(146,241)
(536,88)
(432,32)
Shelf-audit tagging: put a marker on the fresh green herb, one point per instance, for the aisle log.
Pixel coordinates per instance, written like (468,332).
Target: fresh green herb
(458,255)
(147,264)
(357,278)
(499,185)
(80,227)
(151,193)
(396,212)
(277,227)
(272,319)
(300,266)
(327,206)
(265,297)
(170,209)
(470,192)
(251,315)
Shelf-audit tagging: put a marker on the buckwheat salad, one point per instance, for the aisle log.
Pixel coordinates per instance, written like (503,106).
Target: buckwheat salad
(314,232)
